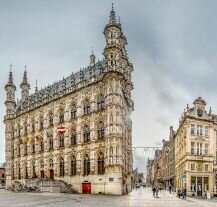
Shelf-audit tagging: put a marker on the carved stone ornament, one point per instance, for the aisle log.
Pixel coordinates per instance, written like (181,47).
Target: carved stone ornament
(200,112)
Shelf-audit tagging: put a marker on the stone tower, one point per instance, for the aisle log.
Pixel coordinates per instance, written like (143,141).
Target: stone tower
(24,86)
(10,104)
(120,105)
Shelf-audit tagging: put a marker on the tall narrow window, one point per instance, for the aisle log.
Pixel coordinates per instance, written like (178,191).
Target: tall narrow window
(62,170)
(192,129)
(86,165)
(101,168)
(73,112)
(206,131)
(33,126)
(73,166)
(50,119)
(199,130)
(33,147)
(86,134)
(61,140)
(41,124)
(51,143)
(42,146)
(101,131)
(86,107)
(206,150)
(61,116)
(192,148)
(199,148)
(100,103)
(25,128)
(73,137)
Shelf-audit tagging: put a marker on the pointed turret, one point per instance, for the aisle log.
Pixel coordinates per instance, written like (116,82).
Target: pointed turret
(92,59)
(10,89)
(25,86)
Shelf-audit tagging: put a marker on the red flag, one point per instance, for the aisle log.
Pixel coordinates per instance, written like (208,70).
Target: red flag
(37,138)
(61,129)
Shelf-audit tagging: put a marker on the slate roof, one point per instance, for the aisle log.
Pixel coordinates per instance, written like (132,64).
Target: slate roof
(62,85)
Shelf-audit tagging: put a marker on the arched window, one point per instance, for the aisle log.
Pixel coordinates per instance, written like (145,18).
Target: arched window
(61,140)
(41,123)
(61,116)
(86,134)
(86,107)
(50,119)
(101,131)
(86,165)
(101,102)
(61,167)
(73,166)
(73,112)
(101,168)
(73,137)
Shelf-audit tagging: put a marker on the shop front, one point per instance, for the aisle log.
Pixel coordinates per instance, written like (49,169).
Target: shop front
(199,185)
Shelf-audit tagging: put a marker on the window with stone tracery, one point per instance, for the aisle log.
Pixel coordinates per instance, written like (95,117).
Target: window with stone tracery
(50,119)
(73,166)
(101,131)
(100,161)
(61,116)
(86,107)
(61,140)
(86,165)
(73,112)
(86,134)
(101,102)
(73,137)
(62,170)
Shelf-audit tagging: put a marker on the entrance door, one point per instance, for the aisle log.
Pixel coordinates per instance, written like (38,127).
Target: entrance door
(199,186)
(86,188)
(51,174)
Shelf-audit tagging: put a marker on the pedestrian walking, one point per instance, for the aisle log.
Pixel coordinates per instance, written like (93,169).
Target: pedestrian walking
(184,193)
(154,191)
(157,190)
(170,189)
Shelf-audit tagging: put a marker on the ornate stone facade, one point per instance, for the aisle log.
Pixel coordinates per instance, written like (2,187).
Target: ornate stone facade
(79,129)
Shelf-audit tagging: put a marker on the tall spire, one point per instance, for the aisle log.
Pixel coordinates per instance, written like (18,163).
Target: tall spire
(25,86)
(36,86)
(10,79)
(92,59)
(112,15)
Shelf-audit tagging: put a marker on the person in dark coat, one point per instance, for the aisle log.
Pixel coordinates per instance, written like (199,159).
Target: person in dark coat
(154,190)
(170,189)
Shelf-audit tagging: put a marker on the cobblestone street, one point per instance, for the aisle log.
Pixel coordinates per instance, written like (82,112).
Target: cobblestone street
(140,197)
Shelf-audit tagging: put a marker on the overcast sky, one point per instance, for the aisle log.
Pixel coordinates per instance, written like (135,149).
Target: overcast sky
(172,45)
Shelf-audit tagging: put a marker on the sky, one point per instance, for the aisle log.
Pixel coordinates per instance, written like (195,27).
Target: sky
(171,43)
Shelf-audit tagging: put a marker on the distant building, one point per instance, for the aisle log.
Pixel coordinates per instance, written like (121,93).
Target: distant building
(77,130)
(2,174)
(137,177)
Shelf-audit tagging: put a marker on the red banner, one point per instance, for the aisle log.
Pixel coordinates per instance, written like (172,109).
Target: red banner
(61,129)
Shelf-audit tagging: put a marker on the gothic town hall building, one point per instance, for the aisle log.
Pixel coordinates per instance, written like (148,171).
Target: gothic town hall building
(77,130)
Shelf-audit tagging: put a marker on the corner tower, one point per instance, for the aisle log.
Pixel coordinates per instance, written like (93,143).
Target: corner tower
(10,104)
(119,106)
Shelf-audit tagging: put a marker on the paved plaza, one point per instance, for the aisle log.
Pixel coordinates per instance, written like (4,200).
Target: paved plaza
(140,197)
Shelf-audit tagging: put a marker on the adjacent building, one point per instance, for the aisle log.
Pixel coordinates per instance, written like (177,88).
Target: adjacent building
(77,130)
(189,158)
(2,175)
(195,150)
